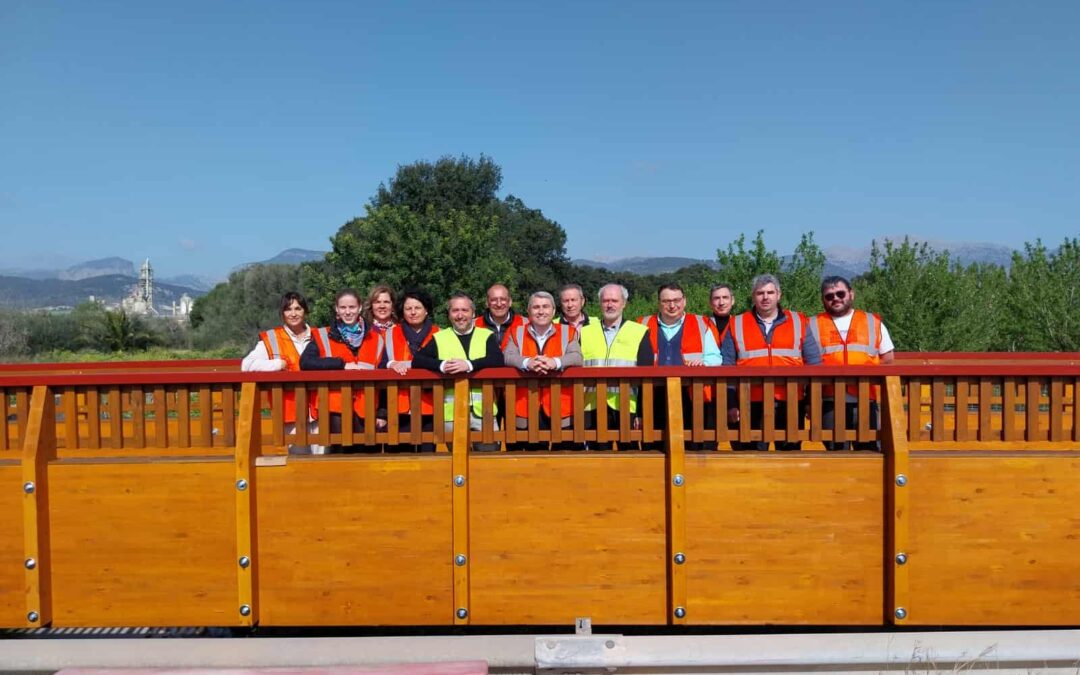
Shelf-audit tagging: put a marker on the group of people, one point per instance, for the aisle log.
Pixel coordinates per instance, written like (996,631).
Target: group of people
(385,330)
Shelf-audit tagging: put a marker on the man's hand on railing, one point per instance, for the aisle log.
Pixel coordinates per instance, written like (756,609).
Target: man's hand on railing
(694,363)
(455,366)
(543,365)
(400,367)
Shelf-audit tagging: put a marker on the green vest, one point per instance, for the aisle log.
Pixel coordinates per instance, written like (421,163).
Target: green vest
(622,353)
(448,344)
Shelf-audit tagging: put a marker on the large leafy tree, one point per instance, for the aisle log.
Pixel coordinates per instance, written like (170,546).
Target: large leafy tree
(1044,298)
(799,275)
(397,245)
(235,312)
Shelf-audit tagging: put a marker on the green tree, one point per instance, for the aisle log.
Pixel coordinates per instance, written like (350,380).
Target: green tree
(1044,298)
(234,312)
(800,275)
(739,265)
(396,245)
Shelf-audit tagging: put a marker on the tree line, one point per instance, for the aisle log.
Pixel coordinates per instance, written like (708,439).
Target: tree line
(442,226)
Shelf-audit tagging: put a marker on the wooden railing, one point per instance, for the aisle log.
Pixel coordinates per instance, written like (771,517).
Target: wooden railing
(167,498)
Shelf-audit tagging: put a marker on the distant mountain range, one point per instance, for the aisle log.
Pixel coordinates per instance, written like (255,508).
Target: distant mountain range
(23,293)
(841,260)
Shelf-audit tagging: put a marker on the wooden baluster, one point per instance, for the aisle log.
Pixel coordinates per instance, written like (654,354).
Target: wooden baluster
(116,417)
(534,411)
(416,417)
(937,409)
(246,451)
(487,428)
(183,415)
(93,417)
(71,418)
(647,409)
(161,417)
(4,413)
(722,436)
(1008,410)
(794,419)
(439,418)
(371,398)
(1076,410)
(277,413)
(865,434)
(556,411)
(816,410)
(345,437)
(768,405)
(38,449)
(840,405)
(986,409)
(697,408)
(625,422)
(914,412)
(1031,410)
(601,412)
(393,436)
(206,417)
(227,437)
(1057,410)
(579,411)
(745,434)
(302,412)
(963,387)
(138,417)
(898,501)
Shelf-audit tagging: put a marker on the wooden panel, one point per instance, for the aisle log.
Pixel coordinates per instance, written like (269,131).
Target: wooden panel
(12,581)
(994,540)
(776,538)
(143,543)
(557,537)
(355,541)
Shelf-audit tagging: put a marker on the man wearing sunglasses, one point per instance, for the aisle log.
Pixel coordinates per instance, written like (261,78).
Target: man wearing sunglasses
(848,337)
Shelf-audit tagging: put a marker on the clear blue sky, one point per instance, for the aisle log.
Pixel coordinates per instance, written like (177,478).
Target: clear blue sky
(207,134)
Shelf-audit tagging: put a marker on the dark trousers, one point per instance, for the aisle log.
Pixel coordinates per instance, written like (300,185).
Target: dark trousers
(347,447)
(757,418)
(851,416)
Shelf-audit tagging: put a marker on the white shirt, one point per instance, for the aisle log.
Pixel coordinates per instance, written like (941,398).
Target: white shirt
(258,359)
(843,324)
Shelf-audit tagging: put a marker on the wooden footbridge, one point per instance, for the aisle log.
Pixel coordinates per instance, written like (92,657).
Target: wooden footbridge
(161,495)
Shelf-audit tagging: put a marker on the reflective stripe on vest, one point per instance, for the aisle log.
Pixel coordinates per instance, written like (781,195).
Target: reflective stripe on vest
(448,344)
(769,352)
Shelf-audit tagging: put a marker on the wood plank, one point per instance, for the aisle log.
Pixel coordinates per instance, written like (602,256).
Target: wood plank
(579,411)
(676,503)
(129,539)
(1031,409)
(963,386)
(534,411)
(914,411)
(248,447)
(624,410)
(1009,431)
(12,551)
(865,433)
(722,436)
(601,412)
(768,424)
(4,427)
(71,418)
(994,540)
(277,412)
(138,417)
(697,411)
(895,445)
(557,412)
(647,410)
(334,555)
(227,436)
(1057,409)
(937,410)
(744,410)
(815,410)
(22,411)
(115,409)
(784,538)
(183,416)
(461,592)
(393,436)
(39,448)
(371,398)
(487,427)
(548,545)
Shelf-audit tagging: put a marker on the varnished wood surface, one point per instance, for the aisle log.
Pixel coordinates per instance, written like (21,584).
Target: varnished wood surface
(784,538)
(558,536)
(148,543)
(12,584)
(355,541)
(994,540)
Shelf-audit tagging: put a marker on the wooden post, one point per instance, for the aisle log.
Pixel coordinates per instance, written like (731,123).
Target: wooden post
(460,490)
(897,519)
(676,507)
(39,447)
(248,448)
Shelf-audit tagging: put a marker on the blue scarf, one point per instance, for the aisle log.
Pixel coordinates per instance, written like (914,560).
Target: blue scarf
(352,335)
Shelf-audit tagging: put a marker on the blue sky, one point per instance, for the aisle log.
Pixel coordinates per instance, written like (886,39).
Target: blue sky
(204,135)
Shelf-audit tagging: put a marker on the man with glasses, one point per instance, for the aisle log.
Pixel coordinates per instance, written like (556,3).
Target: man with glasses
(848,337)
(681,339)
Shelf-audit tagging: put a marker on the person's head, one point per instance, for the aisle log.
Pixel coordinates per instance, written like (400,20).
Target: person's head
(722,299)
(837,295)
(541,310)
(347,306)
(571,301)
(379,305)
(765,292)
(672,302)
(461,310)
(613,298)
(498,301)
(415,306)
(294,309)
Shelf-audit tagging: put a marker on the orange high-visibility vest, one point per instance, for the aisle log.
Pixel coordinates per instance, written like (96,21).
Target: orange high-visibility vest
(368,357)
(279,345)
(517,322)
(554,347)
(694,328)
(752,350)
(862,346)
(397,347)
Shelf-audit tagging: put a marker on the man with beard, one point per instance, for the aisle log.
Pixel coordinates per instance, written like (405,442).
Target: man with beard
(848,337)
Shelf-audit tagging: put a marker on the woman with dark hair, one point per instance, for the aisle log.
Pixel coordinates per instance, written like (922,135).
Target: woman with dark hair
(405,339)
(280,349)
(346,344)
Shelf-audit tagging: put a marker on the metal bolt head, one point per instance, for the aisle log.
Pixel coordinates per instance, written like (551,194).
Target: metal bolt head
(30,563)
(462,613)
(241,485)
(680,612)
(679,558)
(244,561)
(32,617)
(901,480)
(678,480)
(459,480)
(460,559)
(245,610)
(28,487)
(900,613)
(901,558)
